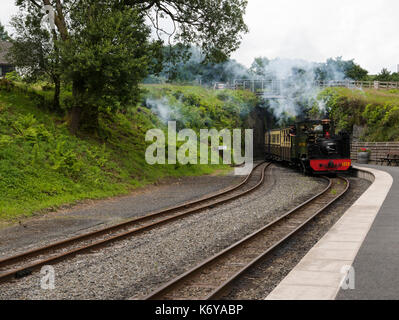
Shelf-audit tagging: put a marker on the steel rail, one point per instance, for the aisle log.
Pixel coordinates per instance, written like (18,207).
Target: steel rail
(186,208)
(189,277)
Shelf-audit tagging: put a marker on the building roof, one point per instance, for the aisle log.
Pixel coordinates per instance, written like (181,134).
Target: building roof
(4,47)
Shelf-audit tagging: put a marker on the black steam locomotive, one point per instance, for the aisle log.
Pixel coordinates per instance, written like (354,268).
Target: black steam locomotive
(311,145)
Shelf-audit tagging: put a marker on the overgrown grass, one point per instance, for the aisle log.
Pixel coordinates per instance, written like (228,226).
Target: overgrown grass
(43,166)
(376,110)
(196,107)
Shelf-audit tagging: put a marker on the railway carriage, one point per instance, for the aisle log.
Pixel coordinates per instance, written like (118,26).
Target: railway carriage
(310,145)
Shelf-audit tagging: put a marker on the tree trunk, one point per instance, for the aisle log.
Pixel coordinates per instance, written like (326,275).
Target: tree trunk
(83,115)
(89,119)
(75,115)
(57,92)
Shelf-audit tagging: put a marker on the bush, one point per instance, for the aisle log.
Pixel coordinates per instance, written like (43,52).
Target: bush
(13,76)
(47,87)
(377,110)
(43,166)
(6,85)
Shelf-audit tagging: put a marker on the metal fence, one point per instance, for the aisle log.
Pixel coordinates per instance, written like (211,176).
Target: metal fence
(358,84)
(275,86)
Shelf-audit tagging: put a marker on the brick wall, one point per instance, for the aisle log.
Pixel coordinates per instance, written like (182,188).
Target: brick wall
(378,149)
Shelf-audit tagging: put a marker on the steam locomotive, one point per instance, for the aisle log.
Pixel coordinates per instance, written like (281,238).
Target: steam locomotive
(310,145)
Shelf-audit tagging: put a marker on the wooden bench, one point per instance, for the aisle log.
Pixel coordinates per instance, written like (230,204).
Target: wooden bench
(391,157)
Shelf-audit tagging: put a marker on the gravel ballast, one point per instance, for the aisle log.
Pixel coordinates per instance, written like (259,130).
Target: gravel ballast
(135,267)
(90,215)
(265,275)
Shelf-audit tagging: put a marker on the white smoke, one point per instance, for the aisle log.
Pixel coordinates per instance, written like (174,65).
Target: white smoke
(163,109)
(235,70)
(295,88)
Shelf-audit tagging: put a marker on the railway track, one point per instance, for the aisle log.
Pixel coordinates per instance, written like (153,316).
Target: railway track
(212,278)
(25,263)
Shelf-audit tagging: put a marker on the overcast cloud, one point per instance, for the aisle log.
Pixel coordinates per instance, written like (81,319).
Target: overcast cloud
(314,30)
(364,30)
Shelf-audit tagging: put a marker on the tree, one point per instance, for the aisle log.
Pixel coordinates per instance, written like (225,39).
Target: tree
(34,51)
(103,49)
(258,67)
(179,63)
(384,75)
(102,65)
(106,58)
(215,26)
(395,76)
(192,67)
(339,69)
(355,72)
(3,33)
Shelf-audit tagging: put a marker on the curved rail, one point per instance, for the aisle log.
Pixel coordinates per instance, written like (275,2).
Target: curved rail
(61,250)
(213,277)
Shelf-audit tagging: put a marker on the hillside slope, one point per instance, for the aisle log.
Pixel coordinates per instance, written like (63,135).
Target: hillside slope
(43,166)
(375,111)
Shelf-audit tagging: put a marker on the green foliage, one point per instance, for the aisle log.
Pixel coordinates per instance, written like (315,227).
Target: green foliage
(42,98)
(6,84)
(191,68)
(197,108)
(35,52)
(334,68)
(32,48)
(106,49)
(107,55)
(356,72)
(43,166)
(286,120)
(258,67)
(386,75)
(376,110)
(3,34)
(13,76)
(214,26)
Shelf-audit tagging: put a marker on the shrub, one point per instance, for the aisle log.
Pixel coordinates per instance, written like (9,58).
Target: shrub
(13,76)
(6,85)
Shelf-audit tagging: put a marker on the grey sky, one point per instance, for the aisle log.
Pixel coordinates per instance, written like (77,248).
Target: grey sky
(314,30)
(7,9)
(364,30)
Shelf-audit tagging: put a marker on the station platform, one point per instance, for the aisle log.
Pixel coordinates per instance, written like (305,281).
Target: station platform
(364,242)
(377,262)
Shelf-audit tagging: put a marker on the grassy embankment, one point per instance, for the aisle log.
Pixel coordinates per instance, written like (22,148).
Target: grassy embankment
(375,110)
(43,166)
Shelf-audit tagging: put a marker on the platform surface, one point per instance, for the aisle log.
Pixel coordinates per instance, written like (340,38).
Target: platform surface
(377,262)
